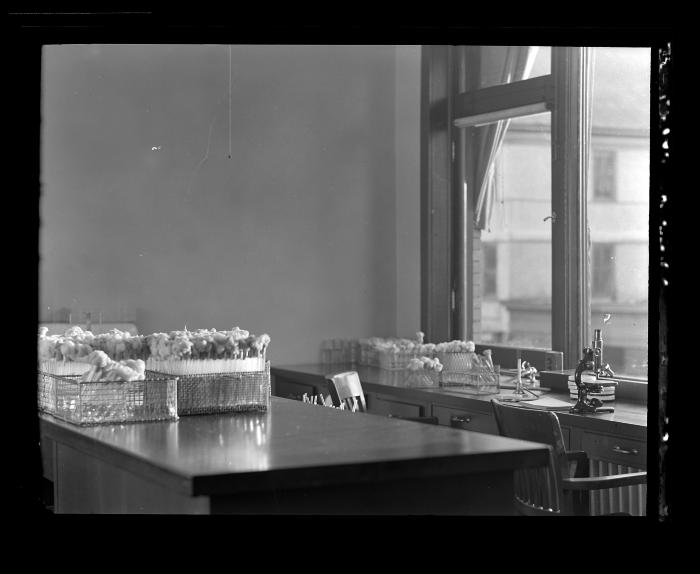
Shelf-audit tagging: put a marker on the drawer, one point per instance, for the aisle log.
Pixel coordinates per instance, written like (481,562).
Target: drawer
(384,405)
(291,389)
(467,420)
(617,450)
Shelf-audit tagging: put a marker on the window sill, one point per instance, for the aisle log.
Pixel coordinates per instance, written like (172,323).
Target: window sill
(633,390)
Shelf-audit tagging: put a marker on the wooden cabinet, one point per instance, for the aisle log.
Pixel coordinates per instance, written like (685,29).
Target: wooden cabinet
(379,404)
(615,449)
(620,442)
(288,389)
(615,454)
(47,457)
(472,419)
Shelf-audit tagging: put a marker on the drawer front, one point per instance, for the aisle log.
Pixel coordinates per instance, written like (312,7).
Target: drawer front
(618,450)
(291,389)
(467,420)
(384,405)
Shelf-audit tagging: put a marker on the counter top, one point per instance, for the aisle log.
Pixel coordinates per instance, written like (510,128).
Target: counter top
(292,445)
(629,415)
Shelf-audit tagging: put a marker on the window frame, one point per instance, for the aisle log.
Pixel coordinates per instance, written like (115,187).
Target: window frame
(448,234)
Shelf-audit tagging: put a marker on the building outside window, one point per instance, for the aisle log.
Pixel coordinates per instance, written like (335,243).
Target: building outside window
(618,221)
(490,283)
(603,271)
(604,172)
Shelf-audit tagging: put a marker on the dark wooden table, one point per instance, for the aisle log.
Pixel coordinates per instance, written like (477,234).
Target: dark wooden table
(296,458)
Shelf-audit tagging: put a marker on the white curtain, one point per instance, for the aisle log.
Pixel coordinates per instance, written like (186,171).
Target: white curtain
(515,63)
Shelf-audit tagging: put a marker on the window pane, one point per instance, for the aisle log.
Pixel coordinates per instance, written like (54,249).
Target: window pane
(490,257)
(497,64)
(517,244)
(604,173)
(603,271)
(618,205)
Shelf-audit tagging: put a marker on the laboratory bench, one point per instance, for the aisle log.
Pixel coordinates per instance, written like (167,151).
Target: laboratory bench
(618,438)
(295,458)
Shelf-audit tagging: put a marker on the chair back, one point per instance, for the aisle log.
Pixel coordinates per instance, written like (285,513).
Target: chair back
(346,388)
(538,491)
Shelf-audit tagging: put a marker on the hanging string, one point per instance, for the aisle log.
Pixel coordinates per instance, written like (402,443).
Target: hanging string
(229,102)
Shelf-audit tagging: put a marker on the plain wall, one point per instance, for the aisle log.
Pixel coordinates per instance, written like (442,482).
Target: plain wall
(145,217)
(407,128)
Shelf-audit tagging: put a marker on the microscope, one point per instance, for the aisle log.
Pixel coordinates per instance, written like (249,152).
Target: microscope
(593,361)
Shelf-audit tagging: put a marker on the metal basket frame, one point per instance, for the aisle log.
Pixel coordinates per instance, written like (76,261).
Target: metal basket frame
(369,356)
(396,359)
(423,378)
(460,361)
(477,380)
(85,403)
(214,393)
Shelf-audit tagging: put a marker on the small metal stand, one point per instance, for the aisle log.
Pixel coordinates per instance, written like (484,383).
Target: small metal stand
(519,384)
(586,404)
(521,393)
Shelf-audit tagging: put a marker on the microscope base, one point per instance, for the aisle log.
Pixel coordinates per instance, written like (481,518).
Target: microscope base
(584,407)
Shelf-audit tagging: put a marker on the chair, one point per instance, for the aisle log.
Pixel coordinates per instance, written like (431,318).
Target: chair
(346,388)
(562,488)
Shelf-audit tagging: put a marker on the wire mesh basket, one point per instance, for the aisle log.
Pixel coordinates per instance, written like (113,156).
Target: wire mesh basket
(396,359)
(390,377)
(457,361)
(106,402)
(422,378)
(476,380)
(369,355)
(58,367)
(213,393)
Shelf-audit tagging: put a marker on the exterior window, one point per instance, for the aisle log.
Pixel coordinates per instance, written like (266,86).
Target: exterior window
(519,314)
(539,166)
(490,252)
(603,271)
(604,173)
(618,205)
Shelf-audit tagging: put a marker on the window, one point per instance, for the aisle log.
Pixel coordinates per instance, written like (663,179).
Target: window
(604,174)
(493,60)
(603,271)
(520,313)
(588,110)
(618,205)
(490,254)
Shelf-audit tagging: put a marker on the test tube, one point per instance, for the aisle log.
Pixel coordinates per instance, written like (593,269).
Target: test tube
(519,380)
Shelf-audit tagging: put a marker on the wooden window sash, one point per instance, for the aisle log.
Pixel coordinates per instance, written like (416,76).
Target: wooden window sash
(436,193)
(571,304)
(520,94)
(473,105)
(448,236)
